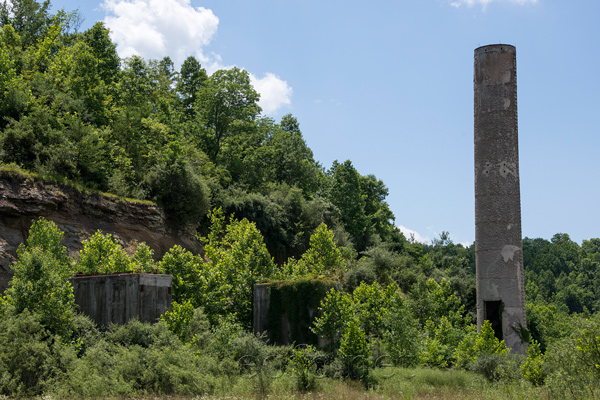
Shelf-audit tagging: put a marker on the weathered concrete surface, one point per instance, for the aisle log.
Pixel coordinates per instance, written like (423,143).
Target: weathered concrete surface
(79,215)
(260,310)
(287,333)
(117,298)
(498,245)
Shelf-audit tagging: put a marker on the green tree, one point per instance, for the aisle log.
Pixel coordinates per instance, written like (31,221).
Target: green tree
(240,259)
(226,104)
(473,345)
(400,335)
(192,77)
(289,158)
(376,208)
(533,368)
(39,283)
(179,189)
(14,92)
(29,18)
(434,301)
(345,193)
(185,269)
(322,257)
(106,60)
(354,351)
(102,254)
(336,310)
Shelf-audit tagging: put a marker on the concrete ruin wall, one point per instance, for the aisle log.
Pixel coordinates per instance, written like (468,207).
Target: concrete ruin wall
(498,245)
(279,326)
(117,298)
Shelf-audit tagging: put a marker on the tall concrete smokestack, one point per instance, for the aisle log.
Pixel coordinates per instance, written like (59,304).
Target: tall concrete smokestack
(498,245)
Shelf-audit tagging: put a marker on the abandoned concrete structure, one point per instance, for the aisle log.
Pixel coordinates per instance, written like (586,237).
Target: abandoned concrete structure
(117,298)
(498,244)
(284,311)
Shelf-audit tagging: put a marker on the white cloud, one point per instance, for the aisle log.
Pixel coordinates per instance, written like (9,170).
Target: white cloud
(154,29)
(484,3)
(274,92)
(413,235)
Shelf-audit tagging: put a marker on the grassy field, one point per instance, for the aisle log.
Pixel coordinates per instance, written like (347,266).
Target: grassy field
(392,383)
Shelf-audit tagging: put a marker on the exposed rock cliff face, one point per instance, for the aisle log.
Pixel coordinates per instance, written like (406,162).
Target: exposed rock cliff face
(79,215)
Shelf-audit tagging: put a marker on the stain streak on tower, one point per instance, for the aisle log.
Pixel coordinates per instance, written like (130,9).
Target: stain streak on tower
(498,244)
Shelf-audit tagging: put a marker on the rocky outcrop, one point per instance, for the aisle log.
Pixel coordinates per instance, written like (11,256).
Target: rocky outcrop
(79,214)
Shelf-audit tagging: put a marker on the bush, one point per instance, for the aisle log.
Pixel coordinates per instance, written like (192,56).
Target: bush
(84,333)
(172,371)
(39,283)
(573,362)
(533,368)
(135,359)
(189,324)
(357,275)
(30,358)
(354,351)
(142,334)
(498,367)
(97,374)
(102,254)
(475,345)
(304,365)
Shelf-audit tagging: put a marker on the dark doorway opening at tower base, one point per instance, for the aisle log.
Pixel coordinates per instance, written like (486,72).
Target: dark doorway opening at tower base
(493,313)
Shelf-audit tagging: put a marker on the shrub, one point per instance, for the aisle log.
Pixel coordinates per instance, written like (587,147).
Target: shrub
(498,367)
(188,323)
(172,371)
(84,333)
(135,359)
(573,362)
(39,283)
(102,254)
(354,351)
(533,368)
(304,366)
(357,275)
(142,334)
(30,358)
(475,345)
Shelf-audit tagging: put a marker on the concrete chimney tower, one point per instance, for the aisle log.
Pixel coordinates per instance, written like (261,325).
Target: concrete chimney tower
(498,245)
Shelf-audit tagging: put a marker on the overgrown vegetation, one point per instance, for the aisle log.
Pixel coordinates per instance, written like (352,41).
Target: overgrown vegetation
(295,300)
(204,346)
(73,111)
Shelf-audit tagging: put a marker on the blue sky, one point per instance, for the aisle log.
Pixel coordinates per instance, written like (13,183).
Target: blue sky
(389,85)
